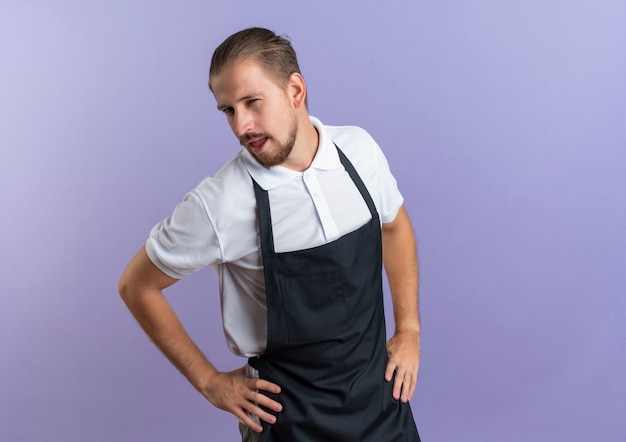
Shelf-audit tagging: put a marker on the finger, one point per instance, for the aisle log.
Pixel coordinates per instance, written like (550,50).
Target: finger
(391,368)
(245,419)
(413,382)
(258,385)
(265,401)
(408,385)
(397,384)
(257,411)
(263,385)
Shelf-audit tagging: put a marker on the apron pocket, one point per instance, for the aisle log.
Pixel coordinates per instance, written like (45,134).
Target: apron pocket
(315,307)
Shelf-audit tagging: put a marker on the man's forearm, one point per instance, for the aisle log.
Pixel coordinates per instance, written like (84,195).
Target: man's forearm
(141,289)
(400,261)
(159,321)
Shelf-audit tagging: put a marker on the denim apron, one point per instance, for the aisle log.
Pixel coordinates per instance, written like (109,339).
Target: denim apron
(326,343)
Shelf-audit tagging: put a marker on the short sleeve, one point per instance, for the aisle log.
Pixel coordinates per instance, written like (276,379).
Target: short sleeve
(370,162)
(184,242)
(390,198)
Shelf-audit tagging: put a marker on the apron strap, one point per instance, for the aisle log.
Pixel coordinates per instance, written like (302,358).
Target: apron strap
(265,219)
(358,182)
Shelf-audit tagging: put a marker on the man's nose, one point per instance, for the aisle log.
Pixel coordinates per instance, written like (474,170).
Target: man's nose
(243,123)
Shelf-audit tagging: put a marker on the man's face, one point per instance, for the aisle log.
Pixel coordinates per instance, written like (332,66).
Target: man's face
(258,111)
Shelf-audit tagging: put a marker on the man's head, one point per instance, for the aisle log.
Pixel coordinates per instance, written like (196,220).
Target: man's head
(272,52)
(256,82)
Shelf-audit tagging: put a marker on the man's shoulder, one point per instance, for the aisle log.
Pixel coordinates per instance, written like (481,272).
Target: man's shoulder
(232,181)
(346,137)
(357,143)
(229,174)
(350,134)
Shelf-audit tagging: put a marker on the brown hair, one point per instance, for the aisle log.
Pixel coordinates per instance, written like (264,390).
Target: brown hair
(274,53)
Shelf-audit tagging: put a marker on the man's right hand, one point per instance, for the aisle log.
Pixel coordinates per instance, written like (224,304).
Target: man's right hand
(239,394)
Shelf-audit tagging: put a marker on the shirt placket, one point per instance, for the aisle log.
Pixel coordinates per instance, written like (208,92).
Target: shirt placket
(321,205)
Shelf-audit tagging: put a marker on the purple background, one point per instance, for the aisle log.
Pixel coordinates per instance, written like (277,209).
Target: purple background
(504,122)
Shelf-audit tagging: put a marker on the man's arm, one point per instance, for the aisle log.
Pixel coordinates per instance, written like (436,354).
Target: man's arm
(141,288)
(400,260)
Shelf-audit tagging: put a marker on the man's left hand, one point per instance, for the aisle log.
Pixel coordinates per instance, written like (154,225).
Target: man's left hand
(404,359)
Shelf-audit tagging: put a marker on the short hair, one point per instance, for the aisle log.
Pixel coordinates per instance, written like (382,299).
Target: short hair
(273,52)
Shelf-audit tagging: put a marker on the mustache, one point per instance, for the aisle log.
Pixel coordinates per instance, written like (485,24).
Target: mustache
(249,136)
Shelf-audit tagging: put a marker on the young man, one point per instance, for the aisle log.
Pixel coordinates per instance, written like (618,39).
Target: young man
(292,226)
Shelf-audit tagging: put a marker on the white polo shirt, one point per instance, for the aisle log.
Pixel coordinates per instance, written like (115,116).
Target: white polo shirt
(216,223)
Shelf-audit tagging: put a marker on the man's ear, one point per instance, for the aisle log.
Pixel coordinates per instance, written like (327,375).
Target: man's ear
(296,88)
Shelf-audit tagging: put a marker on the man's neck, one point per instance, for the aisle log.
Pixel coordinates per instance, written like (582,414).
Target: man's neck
(305,147)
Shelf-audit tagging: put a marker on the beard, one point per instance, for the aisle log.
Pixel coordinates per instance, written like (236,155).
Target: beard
(272,155)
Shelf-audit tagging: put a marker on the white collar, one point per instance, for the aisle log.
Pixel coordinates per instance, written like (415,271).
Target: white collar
(326,158)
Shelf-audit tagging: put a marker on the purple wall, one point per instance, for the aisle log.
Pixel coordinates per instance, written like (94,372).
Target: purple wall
(505,123)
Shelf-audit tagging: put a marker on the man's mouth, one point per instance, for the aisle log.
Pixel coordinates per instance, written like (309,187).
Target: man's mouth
(257,145)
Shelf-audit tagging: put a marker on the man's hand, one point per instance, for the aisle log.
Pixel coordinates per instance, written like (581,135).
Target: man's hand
(404,359)
(238,394)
